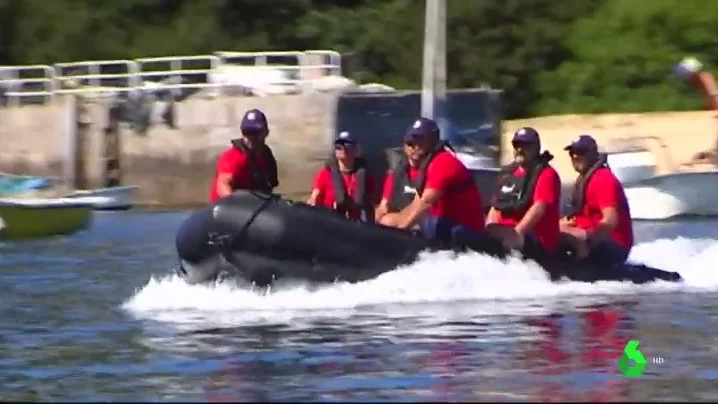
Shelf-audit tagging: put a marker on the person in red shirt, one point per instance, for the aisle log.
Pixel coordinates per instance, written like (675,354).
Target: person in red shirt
(432,188)
(598,225)
(248,163)
(525,207)
(343,184)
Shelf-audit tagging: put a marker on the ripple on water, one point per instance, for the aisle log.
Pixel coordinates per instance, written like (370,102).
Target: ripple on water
(80,321)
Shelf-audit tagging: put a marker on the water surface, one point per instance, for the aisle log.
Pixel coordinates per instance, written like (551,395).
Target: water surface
(95,316)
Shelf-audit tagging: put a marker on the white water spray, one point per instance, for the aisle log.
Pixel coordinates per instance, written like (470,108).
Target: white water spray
(435,278)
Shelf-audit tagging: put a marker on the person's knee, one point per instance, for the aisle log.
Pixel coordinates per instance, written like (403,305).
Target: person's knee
(429,226)
(609,251)
(533,248)
(499,231)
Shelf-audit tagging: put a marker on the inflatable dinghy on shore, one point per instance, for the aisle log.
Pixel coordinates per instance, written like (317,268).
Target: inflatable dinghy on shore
(262,238)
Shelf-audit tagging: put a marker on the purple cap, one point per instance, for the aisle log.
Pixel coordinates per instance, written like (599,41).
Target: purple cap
(254,119)
(582,143)
(421,127)
(526,135)
(345,138)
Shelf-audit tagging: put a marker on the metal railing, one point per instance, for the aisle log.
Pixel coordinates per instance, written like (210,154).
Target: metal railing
(15,83)
(179,68)
(174,73)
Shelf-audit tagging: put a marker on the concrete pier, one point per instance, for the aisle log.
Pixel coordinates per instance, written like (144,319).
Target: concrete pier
(174,166)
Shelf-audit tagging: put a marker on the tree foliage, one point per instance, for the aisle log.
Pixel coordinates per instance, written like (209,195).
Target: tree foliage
(596,55)
(622,56)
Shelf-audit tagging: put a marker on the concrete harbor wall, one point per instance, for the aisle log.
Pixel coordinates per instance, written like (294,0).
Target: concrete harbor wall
(174,166)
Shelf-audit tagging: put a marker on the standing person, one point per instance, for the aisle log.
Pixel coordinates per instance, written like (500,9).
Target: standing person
(343,184)
(525,207)
(248,163)
(598,225)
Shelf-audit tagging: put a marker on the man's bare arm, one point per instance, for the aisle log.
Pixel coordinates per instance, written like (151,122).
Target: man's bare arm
(224,184)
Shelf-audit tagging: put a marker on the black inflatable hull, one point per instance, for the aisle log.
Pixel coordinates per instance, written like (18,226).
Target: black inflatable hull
(263,238)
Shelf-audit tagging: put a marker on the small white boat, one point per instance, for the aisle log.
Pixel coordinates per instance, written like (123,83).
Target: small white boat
(111,198)
(659,197)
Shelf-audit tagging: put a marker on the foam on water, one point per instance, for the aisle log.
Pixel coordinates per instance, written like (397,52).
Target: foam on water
(435,278)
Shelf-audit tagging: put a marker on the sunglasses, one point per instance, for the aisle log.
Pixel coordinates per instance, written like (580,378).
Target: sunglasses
(577,153)
(414,142)
(343,146)
(522,145)
(253,132)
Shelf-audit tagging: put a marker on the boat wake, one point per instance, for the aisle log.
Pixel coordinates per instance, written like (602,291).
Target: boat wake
(502,287)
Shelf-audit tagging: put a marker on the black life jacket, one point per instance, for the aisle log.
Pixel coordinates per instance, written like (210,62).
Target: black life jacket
(264,180)
(400,198)
(513,192)
(579,187)
(360,199)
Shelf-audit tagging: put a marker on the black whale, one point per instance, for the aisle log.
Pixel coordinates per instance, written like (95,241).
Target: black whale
(261,238)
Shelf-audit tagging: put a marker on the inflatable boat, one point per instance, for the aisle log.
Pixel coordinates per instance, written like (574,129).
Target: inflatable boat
(261,238)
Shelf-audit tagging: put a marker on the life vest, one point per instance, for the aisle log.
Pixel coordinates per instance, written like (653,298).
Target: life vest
(343,201)
(579,187)
(404,189)
(513,192)
(261,179)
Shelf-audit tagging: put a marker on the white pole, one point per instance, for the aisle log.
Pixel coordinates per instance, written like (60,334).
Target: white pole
(69,137)
(433,94)
(429,65)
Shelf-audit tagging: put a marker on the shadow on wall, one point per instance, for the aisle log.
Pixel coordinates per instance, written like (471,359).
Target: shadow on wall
(473,119)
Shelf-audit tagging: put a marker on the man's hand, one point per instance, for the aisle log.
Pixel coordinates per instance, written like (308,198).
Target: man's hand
(381,210)
(575,232)
(312,200)
(493,216)
(579,247)
(514,241)
(507,235)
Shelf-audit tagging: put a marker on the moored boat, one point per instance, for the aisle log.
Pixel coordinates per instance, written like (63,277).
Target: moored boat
(22,218)
(110,198)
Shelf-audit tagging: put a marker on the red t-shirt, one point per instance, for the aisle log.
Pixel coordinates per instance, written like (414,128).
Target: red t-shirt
(323,183)
(445,171)
(234,161)
(604,190)
(548,189)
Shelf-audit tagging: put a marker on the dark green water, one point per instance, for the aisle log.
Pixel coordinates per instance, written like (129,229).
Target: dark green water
(95,317)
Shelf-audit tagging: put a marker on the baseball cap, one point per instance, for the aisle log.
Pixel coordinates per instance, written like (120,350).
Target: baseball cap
(254,119)
(421,127)
(582,143)
(526,134)
(345,138)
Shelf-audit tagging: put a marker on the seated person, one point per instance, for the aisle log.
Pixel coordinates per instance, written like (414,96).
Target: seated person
(248,163)
(524,212)
(343,184)
(598,226)
(432,188)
